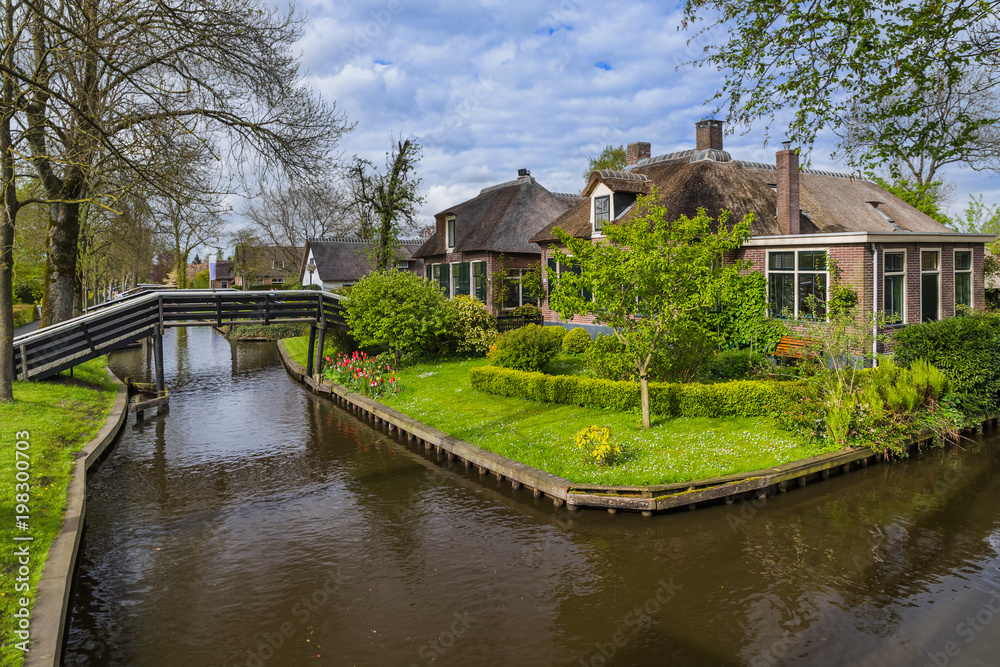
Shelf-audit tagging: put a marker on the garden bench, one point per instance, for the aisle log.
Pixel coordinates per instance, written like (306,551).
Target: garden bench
(792,347)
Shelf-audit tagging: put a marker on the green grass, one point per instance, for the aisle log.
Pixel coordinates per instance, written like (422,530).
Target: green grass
(61,416)
(541,434)
(298,348)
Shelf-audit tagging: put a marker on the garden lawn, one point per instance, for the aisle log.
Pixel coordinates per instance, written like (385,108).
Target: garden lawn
(298,348)
(541,434)
(61,415)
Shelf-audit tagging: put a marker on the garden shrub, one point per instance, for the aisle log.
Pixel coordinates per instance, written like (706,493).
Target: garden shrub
(597,445)
(24,314)
(748,398)
(966,349)
(471,327)
(527,310)
(732,365)
(397,309)
(528,348)
(576,341)
(607,358)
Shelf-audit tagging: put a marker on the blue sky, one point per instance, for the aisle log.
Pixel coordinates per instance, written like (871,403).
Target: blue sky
(493,86)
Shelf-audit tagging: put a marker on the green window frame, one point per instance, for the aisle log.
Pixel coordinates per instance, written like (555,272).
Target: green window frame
(478,280)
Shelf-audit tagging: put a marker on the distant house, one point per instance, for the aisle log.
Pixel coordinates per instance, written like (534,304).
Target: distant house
(225,276)
(341,262)
(470,238)
(896,258)
(263,267)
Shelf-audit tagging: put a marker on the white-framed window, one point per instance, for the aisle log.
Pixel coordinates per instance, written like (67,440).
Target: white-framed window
(449,228)
(515,293)
(602,211)
(224,284)
(796,283)
(278,264)
(403,265)
(963,279)
(894,282)
(930,285)
(277,280)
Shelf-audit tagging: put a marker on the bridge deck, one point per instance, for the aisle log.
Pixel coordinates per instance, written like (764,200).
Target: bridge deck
(48,351)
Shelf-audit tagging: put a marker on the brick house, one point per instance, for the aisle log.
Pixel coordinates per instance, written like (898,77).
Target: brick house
(225,275)
(896,258)
(341,262)
(474,238)
(263,267)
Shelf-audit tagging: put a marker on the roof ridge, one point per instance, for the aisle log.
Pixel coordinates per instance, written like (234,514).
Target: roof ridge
(355,239)
(517,181)
(749,164)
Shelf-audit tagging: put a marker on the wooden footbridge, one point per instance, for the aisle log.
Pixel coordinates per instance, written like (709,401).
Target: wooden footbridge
(120,323)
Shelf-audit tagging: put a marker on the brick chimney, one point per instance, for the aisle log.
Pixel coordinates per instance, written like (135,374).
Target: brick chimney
(709,134)
(637,151)
(788,189)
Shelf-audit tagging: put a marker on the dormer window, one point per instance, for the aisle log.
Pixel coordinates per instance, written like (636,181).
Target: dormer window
(449,225)
(623,202)
(602,211)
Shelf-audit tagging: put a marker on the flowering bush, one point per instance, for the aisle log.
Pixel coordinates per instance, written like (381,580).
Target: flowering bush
(368,376)
(597,445)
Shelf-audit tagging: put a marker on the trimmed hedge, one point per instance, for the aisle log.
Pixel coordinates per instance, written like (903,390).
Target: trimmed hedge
(745,398)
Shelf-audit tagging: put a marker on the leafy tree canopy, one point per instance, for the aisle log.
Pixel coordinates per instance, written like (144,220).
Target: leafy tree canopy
(611,157)
(832,59)
(651,280)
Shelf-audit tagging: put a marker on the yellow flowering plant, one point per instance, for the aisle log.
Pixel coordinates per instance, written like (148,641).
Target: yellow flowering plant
(597,445)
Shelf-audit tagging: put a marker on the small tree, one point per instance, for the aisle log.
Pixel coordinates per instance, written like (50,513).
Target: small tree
(387,198)
(610,158)
(397,309)
(650,280)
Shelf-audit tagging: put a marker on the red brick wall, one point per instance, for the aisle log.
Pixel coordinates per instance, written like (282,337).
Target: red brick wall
(548,314)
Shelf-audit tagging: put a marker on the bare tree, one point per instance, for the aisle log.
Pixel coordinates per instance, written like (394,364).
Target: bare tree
(955,124)
(107,77)
(306,208)
(392,197)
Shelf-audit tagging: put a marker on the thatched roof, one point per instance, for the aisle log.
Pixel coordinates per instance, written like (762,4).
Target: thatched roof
(345,260)
(500,219)
(684,188)
(688,180)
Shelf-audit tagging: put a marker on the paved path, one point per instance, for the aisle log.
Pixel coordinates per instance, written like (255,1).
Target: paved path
(27,328)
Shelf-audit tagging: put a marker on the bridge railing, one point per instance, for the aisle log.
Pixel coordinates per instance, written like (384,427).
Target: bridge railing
(50,350)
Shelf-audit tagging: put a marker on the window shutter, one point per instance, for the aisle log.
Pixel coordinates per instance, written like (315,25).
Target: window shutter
(463,279)
(428,269)
(479,280)
(550,274)
(444,279)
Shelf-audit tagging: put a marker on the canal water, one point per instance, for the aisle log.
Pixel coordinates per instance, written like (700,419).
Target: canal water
(257,524)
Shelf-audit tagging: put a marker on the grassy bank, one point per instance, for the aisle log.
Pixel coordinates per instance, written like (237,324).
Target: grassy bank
(541,434)
(60,416)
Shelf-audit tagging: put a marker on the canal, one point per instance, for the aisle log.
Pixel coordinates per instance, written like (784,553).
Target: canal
(257,524)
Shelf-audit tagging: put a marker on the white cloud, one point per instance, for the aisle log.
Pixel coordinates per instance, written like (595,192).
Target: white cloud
(495,86)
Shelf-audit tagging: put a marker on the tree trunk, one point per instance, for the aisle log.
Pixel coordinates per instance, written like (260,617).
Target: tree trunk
(6,306)
(644,386)
(60,263)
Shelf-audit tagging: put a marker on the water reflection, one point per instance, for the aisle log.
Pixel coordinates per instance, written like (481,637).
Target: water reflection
(258,524)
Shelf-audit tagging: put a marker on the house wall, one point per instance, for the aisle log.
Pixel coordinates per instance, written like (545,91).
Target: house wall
(493,265)
(548,314)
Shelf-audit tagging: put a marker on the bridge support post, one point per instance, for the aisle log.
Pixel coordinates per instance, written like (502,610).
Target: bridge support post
(319,349)
(158,357)
(312,350)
